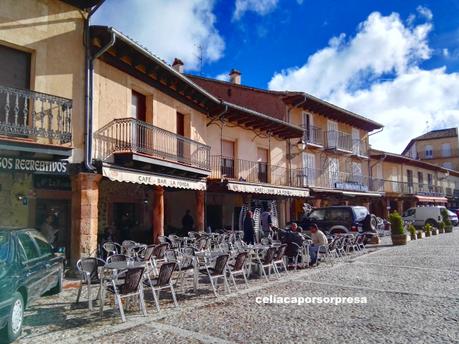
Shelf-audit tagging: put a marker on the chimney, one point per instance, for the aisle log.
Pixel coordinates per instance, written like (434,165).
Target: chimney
(178,65)
(235,76)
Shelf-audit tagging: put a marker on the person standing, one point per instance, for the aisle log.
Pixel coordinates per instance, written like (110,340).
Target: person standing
(318,239)
(249,228)
(47,229)
(266,223)
(187,221)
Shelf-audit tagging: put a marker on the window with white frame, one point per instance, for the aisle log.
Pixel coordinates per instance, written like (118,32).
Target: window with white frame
(428,152)
(446,150)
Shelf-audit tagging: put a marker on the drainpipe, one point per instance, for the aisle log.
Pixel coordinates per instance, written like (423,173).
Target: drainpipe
(89,87)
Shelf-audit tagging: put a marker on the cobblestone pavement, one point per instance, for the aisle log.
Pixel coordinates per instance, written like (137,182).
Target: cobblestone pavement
(412,293)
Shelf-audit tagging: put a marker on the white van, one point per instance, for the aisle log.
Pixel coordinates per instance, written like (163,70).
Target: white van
(420,216)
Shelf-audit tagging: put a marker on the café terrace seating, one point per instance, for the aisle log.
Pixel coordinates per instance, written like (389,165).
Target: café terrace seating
(130,268)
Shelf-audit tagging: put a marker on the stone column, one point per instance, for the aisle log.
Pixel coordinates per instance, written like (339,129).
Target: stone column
(84,230)
(158,212)
(200,204)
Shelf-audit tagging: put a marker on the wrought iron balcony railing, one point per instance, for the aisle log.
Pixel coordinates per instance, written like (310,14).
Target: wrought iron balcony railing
(42,117)
(313,135)
(413,188)
(129,135)
(338,140)
(252,171)
(360,148)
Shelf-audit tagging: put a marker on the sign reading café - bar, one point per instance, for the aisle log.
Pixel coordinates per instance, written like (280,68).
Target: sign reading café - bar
(120,175)
(29,165)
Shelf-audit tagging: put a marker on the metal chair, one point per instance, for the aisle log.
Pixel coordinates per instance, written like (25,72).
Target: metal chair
(162,282)
(89,276)
(158,256)
(118,258)
(111,248)
(238,268)
(267,261)
(132,286)
(216,272)
(279,259)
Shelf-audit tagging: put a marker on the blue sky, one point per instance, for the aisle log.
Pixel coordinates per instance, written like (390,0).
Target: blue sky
(394,61)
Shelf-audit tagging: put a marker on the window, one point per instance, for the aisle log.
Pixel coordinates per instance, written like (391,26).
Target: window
(333,171)
(355,141)
(262,159)
(138,106)
(332,134)
(428,152)
(28,245)
(318,215)
(360,213)
(446,150)
(181,132)
(357,172)
(15,73)
(430,182)
(339,214)
(308,124)
(43,246)
(227,158)
(410,212)
(420,180)
(309,168)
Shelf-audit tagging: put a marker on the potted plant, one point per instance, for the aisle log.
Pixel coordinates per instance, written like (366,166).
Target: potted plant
(447,222)
(441,229)
(420,235)
(398,234)
(428,230)
(412,231)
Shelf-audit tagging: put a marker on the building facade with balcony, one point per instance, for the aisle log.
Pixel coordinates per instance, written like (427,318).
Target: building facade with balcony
(438,147)
(332,158)
(41,112)
(408,182)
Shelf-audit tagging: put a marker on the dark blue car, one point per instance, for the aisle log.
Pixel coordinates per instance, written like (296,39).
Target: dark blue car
(29,268)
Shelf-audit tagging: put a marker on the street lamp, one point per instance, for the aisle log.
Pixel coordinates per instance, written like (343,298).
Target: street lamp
(300,146)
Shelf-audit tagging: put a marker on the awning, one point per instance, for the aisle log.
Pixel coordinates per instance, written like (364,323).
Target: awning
(431,199)
(269,190)
(133,176)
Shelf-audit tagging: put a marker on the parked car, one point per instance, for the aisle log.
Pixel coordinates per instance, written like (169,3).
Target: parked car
(339,219)
(455,211)
(28,269)
(420,216)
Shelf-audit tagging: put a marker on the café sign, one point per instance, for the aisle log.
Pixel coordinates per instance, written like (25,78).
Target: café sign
(151,179)
(29,165)
(269,190)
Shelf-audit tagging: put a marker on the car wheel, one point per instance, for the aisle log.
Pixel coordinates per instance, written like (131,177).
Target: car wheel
(60,282)
(13,326)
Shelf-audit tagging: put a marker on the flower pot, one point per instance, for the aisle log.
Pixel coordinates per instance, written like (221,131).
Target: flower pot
(441,230)
(420,235)
(434,231)
(413,236)
(399,239)
(428,234)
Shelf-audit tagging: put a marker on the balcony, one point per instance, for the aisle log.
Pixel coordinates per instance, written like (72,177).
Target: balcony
(335,180)
(359,148)
(438,154)
(252,172)
(313,136)
(131,136)
(338,140)
(35,117)
(413,188)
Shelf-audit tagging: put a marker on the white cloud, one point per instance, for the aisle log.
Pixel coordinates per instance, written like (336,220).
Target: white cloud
(261,7)
(377,74)
(425,12)
(445,52)
(222,77)
(169,28)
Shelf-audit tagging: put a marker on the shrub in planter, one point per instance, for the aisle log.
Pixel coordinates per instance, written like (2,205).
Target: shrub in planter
(420,235)
(447,223)
(398,234)
(428,230)
(412,231)
(441,228)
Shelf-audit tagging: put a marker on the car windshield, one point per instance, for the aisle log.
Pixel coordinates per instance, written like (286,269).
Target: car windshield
(450,213)
(4,246)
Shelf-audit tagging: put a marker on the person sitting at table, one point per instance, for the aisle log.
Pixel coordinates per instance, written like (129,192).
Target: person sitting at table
(318,239)
(249,228)
(292,236)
